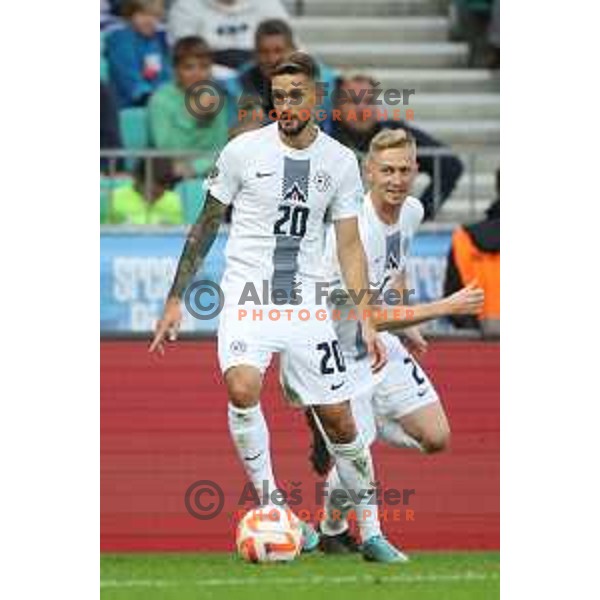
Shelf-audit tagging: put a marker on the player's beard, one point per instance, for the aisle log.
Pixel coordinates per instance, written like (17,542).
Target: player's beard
(302,123)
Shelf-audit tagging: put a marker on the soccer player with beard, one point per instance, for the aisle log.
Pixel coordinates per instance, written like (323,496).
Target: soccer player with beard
(282,181)
(399,405)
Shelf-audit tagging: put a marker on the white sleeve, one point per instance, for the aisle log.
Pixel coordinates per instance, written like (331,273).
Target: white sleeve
(184,19)
(349,196)
(273,9)
(225,180)
(415,215)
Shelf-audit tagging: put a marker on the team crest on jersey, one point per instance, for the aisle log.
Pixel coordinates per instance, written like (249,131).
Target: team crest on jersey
(294,194)
(238,347)
(322,181)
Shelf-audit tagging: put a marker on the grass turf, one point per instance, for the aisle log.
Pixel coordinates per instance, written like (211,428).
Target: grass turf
(449,576)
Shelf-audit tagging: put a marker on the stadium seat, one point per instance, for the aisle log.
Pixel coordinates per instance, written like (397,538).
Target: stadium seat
(134,128)
(192,196)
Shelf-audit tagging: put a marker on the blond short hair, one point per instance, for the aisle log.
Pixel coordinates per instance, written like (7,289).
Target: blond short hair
(392,138)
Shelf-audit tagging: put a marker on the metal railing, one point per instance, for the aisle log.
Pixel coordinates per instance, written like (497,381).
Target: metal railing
(475,163)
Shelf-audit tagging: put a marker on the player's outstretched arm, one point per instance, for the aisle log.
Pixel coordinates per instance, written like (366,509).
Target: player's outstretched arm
(198,243)
(353,265)
(467,301)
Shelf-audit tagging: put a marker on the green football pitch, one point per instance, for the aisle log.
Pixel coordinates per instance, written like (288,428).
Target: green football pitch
(435,576)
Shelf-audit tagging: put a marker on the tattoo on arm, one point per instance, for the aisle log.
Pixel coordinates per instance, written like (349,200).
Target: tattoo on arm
(199,241)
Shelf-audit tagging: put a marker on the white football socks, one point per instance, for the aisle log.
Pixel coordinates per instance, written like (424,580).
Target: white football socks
(336,509)
(250,435)
(355,470)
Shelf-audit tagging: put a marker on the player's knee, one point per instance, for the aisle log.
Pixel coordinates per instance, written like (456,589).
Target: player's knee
(436,440)
(243,391)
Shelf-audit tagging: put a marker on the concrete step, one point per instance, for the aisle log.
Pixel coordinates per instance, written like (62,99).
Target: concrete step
(363,8)
(351,55)
(312,30)
(483,185)
(452,106)
(468,133)
(478,159)
(481,188)
(435,81)
(461,210)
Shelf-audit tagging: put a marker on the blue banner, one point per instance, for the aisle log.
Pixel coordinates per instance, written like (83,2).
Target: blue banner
(137,268)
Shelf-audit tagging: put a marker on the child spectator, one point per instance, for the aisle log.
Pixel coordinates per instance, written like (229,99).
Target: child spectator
(150,199)
(172,126)
(137,53)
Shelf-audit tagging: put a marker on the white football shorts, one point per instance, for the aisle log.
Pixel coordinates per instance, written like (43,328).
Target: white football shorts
(401,387)
(312,364)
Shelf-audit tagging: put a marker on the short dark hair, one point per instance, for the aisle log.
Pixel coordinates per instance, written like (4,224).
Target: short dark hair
(274,27)
(298,62)
(191,46)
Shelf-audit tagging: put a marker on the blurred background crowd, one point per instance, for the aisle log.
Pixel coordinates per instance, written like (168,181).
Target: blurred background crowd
(155,154)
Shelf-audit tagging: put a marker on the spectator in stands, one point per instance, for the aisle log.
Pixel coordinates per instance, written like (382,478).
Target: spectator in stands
(477,22)
(150,199)
(493,36)
(109,15)
(172,126)
(273,43)
(227,25)
(358,122)
(475,256)
(137,53)
(110,135)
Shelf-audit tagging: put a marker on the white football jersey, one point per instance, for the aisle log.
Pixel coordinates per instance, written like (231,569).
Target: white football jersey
(280,198)
(387,248)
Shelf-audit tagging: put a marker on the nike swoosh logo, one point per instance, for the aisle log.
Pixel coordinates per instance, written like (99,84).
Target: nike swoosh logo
(259,175)
(250,458)
(421,393)
(336,387)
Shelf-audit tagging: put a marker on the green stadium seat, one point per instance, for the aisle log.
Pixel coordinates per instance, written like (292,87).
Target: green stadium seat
(134,128)
(192,196)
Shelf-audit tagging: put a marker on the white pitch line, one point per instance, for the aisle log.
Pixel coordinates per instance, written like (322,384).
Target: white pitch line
(314,580)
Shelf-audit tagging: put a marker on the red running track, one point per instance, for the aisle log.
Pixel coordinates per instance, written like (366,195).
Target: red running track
(164,426)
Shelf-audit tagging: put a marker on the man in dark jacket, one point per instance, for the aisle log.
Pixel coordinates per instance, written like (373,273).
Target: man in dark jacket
(358,123)
(274,42)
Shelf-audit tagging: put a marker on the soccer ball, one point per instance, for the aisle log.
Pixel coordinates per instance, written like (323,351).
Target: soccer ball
(269,534)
